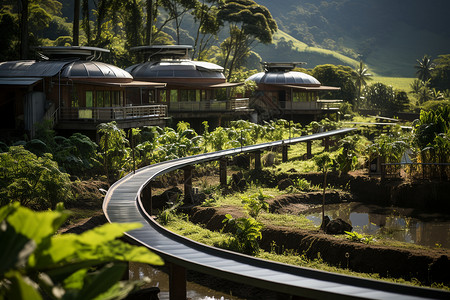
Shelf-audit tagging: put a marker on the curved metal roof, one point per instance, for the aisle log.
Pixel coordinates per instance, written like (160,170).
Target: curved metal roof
(68,68)
(290,77)
(94,69)
(176,69)
(32,68)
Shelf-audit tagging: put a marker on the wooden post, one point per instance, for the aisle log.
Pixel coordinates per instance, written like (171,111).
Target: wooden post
(258,160)
(326,143)
(177,282)
(308,149)
(284,153)
(223,171)
(188,184)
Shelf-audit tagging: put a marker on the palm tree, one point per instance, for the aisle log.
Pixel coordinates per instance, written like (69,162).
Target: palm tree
(424,68)
(361,76)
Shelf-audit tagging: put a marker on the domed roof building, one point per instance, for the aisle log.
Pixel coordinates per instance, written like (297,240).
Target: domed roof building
(68,86)
(195,91)
(282,92)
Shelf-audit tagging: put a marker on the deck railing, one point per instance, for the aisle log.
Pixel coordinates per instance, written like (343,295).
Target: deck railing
(210,105)
(311,105)
(417,171)
(112,113)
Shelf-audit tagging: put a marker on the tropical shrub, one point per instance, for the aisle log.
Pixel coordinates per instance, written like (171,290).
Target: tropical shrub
(76,155)
(390,147)
(431,134)
(347,159)
(113,149)
(385,98)
(255,203)
(37,264)
(32,181)
(246,234)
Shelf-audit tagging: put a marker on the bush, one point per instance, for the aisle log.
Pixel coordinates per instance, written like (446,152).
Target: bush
(246,235)
(33,181)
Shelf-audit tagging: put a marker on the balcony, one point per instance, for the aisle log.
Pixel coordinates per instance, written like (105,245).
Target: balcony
(126,117)
(318,105)
(210,105)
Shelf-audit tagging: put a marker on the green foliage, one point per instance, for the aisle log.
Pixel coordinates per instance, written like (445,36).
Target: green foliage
(246,234)
(169,214)
(68,266)
(113,148)
(324,161)
(256,203)
(440,76)
(347,158)
(424,68)
(248,21)
(360,76)
(32,181)
(385,98)
(76,155)
(357,237)
(337,76)
(389,147)
(431,134)
(302,184)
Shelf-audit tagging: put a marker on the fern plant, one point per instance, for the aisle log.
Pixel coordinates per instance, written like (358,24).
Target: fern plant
(256,203)
(246,234)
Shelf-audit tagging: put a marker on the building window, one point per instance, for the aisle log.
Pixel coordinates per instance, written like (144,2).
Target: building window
(89,99)
(162,96)
(74,102)
(100,102)
(107,99)
(173,95)
(302,97)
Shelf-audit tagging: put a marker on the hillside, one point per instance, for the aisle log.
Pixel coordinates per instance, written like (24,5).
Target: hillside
(387,35)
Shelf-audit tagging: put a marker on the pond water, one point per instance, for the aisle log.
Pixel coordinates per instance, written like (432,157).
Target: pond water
(405,225)
(160,279)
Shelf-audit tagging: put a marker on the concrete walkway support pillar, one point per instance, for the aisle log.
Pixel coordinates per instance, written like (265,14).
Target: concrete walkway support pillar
(223,171)
(188,183)
(284,153)
(146,198)
(308,149)
(258,160)
(177,282)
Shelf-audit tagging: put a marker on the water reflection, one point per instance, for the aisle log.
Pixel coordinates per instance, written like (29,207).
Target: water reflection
(400,224)
(160,279)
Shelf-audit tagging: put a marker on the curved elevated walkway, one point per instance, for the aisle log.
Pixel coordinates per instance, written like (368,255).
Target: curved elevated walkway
(123,203)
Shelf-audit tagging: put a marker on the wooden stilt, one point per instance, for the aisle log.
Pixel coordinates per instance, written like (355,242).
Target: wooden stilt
(223,170)
(177,282)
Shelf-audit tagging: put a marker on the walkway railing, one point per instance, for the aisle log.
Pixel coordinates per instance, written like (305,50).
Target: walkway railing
(124,203)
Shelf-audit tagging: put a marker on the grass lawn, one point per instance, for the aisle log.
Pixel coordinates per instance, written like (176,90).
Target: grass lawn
(400,83)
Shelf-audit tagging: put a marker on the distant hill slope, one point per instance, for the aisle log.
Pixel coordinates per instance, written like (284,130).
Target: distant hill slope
(312,56)
(387,35)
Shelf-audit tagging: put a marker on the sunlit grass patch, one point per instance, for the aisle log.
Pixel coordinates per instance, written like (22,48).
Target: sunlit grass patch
(400,83)
(291,221)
